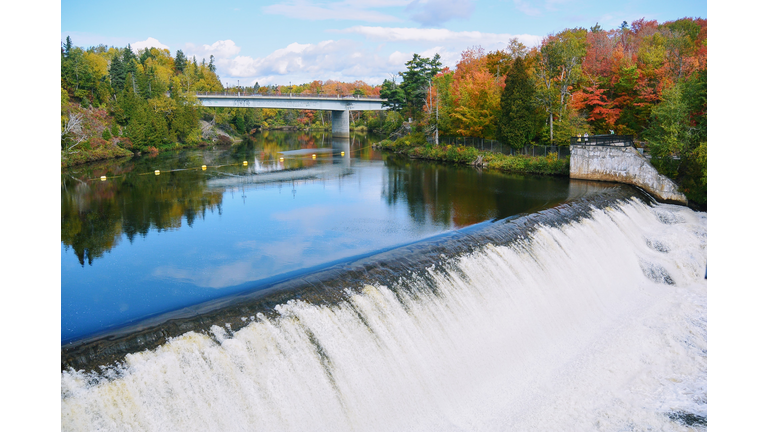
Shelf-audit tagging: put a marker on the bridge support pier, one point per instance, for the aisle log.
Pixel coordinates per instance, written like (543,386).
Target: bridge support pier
(341,145)
(340,123)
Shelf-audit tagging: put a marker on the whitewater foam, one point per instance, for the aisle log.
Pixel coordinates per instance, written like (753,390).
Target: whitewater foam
(573,326)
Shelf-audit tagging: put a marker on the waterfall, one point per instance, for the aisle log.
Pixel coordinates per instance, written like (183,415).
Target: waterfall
(552,322)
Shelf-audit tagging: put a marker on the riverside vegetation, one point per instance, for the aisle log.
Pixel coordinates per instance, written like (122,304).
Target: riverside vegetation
(645,79)
(416,146)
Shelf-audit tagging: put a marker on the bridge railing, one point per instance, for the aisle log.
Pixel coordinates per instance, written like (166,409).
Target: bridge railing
(604,140)
(284,95)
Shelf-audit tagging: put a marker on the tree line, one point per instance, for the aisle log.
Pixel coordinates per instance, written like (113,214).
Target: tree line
(137,101)
(643,79)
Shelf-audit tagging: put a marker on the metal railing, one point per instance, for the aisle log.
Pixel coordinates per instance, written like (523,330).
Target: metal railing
(495,146)
(284,95)
(604,140)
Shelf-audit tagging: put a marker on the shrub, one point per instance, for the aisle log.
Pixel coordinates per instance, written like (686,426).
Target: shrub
(223,140)
(97,142)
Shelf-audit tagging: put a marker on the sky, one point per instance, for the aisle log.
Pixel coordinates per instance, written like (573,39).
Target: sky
(299,41)
(31,173)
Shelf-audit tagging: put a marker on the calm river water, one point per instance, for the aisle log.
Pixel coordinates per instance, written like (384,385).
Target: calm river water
(138,243)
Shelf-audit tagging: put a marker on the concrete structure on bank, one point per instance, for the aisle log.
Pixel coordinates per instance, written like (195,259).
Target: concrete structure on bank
(623,164)
(338,106)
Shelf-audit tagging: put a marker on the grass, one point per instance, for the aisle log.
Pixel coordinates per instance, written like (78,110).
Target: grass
(415,146)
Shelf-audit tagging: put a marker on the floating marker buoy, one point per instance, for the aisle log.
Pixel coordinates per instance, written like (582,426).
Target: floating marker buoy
(103,178)
(157,172)
(245,162)
(342,153)
(281,159)
(314,156)
(204,167)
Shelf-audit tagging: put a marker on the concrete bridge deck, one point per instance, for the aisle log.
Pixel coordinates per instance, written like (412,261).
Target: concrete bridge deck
(340,106)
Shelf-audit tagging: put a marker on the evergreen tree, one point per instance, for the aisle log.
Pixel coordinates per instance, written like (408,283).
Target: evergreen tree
(395,98)
(416,80)
(117,74)
(67,47)
(129,60)
(180,62)
(518,118)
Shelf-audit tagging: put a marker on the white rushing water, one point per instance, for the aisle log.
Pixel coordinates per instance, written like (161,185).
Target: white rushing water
(595,325)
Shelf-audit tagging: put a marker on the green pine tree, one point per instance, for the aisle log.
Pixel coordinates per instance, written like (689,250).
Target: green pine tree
(518,118)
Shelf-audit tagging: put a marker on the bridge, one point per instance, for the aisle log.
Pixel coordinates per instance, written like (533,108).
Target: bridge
(339,106)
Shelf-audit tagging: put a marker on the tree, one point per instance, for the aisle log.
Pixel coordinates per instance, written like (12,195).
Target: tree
(180,63)
(394,95)
(416,78)
(476,94)
(517,49)
(602,112)
(558,69)
(518,120)
(67,46)
(117,73)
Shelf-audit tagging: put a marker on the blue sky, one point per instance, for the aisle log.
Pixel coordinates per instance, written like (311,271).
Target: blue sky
(282,41)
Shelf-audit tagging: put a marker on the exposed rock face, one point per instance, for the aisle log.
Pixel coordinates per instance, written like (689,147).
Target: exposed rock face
(211,131)
(404,130)
(623,165)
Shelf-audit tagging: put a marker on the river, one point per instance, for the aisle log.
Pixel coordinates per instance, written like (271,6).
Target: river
(300,282)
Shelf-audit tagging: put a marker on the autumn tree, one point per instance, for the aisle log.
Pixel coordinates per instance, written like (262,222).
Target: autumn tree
(558,68)
(476,94)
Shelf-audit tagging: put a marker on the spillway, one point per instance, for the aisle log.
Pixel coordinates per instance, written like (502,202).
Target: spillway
(588,316)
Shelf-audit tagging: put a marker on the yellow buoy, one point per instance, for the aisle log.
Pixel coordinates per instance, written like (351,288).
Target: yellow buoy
(281,159)
(103,178)
(245,162)
(342,153)
(157,172)
(204,167)
(314,156)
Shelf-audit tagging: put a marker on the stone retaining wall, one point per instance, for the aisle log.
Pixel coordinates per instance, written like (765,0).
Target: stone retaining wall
(623,165)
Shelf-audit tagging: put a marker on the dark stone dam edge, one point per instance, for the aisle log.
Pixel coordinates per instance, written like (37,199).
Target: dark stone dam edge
(329,285)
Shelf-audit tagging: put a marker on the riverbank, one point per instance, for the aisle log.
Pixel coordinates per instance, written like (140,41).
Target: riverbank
(415,146)
(93,155)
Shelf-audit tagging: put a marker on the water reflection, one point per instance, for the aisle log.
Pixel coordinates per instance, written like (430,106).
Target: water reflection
(195,234)
(458,196)
(95,214)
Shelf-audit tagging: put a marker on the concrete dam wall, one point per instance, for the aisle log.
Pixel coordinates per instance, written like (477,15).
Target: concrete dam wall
(623,165)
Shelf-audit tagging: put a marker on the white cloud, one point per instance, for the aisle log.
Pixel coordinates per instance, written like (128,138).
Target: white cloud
(436,12)
(150,42)
(324,11)
(349,60)
(397,58)
(461,39)
(341,60)
(222,49)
